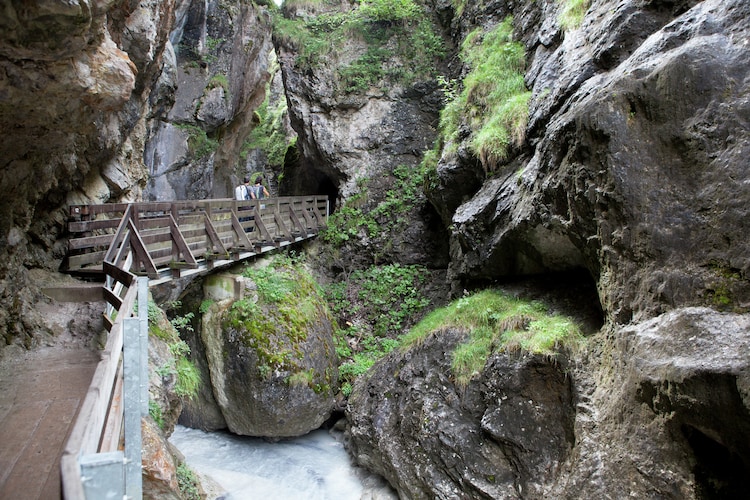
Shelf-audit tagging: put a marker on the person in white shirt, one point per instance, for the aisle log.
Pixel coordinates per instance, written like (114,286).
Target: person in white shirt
(242,192)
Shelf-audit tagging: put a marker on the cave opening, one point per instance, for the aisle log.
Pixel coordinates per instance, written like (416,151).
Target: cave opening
(720,473)
(301,178)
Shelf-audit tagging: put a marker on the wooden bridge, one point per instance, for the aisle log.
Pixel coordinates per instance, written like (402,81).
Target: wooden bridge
(134,246)
(174,239)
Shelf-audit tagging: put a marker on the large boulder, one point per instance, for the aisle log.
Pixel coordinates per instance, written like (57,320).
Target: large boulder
(659,410)
(273,365)
(504,435)
(663,411)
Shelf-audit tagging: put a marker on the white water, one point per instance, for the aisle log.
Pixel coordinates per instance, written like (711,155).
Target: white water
(311,467)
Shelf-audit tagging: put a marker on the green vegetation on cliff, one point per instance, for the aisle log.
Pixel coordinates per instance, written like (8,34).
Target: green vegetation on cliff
(497,322)
(401,45)
(572,13)
(375,305)
(269,134)
(494,101)
(380,221)
(290,303)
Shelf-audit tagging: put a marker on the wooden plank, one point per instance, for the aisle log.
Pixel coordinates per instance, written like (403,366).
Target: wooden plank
(112,298)
(113,424)
(300,229)
(238,232)
(282,232)
(93,225)
(119,238)
(140,252)
(103,240)
(121,275)
(179,245)
(216,244)
(85,259)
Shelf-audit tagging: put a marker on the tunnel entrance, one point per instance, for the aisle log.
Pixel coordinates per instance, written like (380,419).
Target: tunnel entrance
(301,178)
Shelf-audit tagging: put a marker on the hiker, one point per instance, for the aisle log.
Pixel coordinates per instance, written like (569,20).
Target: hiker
(258,191)
(241,193)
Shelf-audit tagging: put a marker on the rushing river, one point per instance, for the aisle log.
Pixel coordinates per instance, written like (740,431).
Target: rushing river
(311,467)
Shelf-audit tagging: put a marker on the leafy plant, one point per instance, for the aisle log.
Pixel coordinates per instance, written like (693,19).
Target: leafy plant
(154,410)
(188,483)
(383,25)
(383,219)
(269,135)
(376,305)
(205,306)
(219,80)
(188,378)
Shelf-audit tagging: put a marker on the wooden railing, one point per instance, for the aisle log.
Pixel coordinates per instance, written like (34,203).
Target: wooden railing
(170,239)
(157,241)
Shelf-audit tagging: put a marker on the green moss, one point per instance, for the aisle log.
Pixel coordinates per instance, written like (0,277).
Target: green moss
(289,303)
(494,100)
(496,322)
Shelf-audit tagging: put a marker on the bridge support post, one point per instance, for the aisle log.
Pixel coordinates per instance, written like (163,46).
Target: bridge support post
(135,391)
(132,397)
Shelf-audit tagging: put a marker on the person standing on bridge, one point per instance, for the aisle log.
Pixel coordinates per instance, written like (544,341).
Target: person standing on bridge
(259,191)
(242,192)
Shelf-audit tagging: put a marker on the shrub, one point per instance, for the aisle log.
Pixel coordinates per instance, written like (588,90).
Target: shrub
(188,483)
(376,305)
(384,25)
(382,220)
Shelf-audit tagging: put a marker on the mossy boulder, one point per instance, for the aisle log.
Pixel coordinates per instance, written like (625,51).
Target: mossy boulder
(271,354)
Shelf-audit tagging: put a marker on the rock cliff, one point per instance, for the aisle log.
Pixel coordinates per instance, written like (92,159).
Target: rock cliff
(629,171)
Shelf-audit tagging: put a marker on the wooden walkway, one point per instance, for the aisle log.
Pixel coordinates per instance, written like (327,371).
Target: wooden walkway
(40,395)
(161,241)
(176,239)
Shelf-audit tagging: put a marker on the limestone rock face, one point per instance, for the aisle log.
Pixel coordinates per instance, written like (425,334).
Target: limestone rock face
(504,434)
(669,416)
(636,151)
(71,97)
(219,71)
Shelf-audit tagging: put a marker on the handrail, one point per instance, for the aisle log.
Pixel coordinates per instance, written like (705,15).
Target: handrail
(188,234)
(182,236)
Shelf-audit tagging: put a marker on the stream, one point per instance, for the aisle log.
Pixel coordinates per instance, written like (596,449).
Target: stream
(311,467)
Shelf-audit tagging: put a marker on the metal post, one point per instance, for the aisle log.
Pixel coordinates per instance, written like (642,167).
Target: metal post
(132,396)
(102,475)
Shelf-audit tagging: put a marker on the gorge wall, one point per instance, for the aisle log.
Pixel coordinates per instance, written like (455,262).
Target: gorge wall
(630,174)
